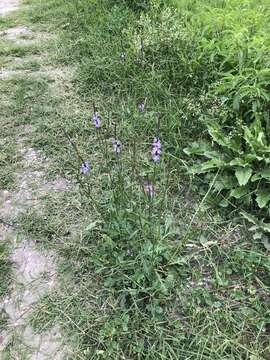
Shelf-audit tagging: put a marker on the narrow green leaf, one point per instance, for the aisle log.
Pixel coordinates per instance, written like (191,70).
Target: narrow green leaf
(238,162)
(91,226)
(211,164)
(251,218)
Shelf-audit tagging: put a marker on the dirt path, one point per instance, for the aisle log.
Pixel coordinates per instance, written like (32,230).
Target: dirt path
(7,6)
(34,269)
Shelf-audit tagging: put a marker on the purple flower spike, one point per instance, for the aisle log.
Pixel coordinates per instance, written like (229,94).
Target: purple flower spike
(141,105)
(96,120)
(148,188)
(156,149)
(157,143)
(84,168)
(117,146)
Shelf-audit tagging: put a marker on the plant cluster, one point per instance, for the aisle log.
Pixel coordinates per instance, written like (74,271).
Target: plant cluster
(235,154)
(139,252)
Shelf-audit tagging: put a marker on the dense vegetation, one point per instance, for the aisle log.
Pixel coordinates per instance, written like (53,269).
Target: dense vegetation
(176,278)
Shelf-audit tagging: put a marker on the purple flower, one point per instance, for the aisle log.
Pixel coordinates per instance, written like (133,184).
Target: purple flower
(129,252)
(148,188)
(156,149)
(96,120)
(84,167)
(117,146)
(157,143)
(141,105)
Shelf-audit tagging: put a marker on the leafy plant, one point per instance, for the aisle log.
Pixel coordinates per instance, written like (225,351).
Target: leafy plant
(235,155)
(238,163)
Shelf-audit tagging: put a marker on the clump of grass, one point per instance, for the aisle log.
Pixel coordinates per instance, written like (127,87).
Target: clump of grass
(12,49)
(8,162)
(57,220)
(5,268)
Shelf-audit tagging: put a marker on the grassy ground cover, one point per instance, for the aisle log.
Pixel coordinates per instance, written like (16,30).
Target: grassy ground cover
(5,269)
(153,272)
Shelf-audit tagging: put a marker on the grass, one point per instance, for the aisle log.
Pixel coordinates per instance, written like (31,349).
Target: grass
(11,49)
(212,302)
(5,270)
(141,278)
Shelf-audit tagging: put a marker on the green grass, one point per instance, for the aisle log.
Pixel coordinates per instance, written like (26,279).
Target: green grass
(211,302)
(11,49)
(21,95)
(220,297)
(8,162)
(5,271)
(170,278)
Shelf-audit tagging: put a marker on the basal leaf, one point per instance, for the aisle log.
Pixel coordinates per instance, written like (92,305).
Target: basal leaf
(212,164)
(262,198)
(224,181)
(243,175)
(221,139)
(265,227)
(238,162)
(251,218)
(265,174)
(266,243)
(216,134)
(238,192)
(203,149)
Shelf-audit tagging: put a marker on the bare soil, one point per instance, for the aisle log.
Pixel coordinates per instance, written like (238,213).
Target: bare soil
(7,6)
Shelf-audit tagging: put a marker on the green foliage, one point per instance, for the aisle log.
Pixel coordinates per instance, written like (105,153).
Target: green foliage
(139,5)
(239,164)
(237,155)
(171,282)
(5,266)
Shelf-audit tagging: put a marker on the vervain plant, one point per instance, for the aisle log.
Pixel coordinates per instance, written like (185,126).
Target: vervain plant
(133,229)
